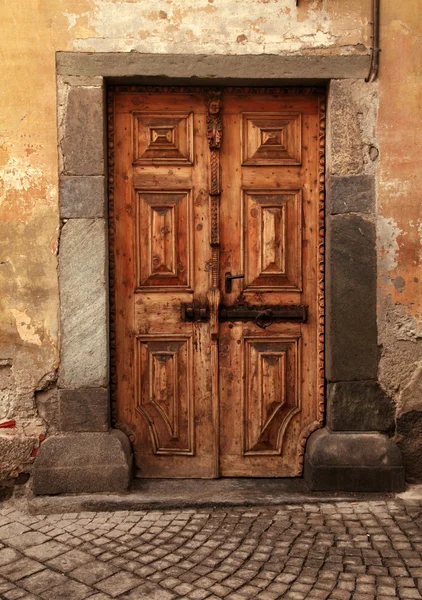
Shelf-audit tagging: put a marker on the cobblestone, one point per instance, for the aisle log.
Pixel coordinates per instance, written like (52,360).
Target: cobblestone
(322,551)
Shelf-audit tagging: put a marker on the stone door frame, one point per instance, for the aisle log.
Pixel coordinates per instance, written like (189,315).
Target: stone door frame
(353,451)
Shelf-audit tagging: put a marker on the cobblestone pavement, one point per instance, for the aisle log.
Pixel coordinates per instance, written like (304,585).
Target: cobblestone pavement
(354,550)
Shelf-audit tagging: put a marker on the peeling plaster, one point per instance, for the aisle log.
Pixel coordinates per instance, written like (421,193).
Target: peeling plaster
(25,329)
(175,27)
(388,247)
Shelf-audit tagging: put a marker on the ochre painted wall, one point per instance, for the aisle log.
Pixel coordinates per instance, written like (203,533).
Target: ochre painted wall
(33,30)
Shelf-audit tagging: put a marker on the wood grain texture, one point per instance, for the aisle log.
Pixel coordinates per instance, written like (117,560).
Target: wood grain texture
(195,194)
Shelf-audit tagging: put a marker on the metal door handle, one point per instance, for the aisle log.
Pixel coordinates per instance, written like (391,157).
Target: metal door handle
(228,280)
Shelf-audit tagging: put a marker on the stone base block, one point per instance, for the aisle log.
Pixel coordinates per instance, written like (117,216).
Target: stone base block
(83,462)
(353,462)
(359,406)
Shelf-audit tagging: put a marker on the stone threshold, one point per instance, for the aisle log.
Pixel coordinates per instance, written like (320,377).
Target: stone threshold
(171,494)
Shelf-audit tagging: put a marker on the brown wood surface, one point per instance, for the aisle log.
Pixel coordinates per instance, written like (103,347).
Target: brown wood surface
(231,399)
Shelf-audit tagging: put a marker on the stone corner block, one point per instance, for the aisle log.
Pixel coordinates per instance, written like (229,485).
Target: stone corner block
(84,409)
(350,194)
(83,279)
(83,142)
(351,323)
(353,462)
(82,197)
(83,463)
(359,406)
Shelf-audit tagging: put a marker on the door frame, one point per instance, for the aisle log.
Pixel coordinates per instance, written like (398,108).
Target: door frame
(83,131)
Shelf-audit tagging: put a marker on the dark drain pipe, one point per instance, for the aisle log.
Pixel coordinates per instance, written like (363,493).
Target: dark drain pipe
(375,37)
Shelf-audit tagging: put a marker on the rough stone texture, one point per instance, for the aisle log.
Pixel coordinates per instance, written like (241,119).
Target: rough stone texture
(83,144)
(351,341)
(83,462)
(83,294)
(359,406)
(82,197)
(409,440)
(353,550)
(351,128)
(354,462)
(84,409)
(15,451)
(47,402)
(350,194)
(184,66)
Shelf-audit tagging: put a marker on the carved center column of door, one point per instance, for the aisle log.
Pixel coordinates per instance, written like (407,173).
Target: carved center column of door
(214,135)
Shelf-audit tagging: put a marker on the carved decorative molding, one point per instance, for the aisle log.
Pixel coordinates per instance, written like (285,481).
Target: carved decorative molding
(214,136)
(321,290)
(273,91)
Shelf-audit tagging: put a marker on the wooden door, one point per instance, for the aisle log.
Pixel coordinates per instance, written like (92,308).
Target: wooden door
(216,226)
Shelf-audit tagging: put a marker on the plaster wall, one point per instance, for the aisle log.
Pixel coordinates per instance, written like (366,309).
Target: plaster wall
(34,30)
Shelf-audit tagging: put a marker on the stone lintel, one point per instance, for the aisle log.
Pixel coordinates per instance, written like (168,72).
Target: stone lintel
(359,406)
(83,462)
(353,462)
(351,330)
(257,67)
(82,197)
(84,409)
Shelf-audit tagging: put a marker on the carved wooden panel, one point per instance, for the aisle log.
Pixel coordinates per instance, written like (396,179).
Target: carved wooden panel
(272,239)
(163,392)
(164,240)
(162,138)
(271,138)
(271,393)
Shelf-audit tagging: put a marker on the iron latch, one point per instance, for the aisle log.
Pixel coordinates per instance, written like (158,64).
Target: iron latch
(263,315)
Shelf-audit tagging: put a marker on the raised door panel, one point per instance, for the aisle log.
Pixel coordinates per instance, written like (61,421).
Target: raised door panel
(272,231)
(271,392)
(164,239)
(162,138)
(271,138)
(164,368)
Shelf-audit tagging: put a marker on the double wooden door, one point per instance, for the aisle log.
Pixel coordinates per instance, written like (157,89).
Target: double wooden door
(216,223)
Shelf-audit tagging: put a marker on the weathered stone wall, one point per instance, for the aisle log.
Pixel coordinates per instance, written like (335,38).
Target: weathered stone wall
(375,157)
(399,225)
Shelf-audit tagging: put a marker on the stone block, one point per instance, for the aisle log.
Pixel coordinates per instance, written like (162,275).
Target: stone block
(85,409)
(359,406)
(409,440)
(351,330)
(353,462)
(355,193)
(15,450)
(83,462)
(82,197)
(83,296)
(83,143)
(351,127)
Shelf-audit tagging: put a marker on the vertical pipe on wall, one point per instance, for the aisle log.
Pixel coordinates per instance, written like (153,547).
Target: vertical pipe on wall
(375,37)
